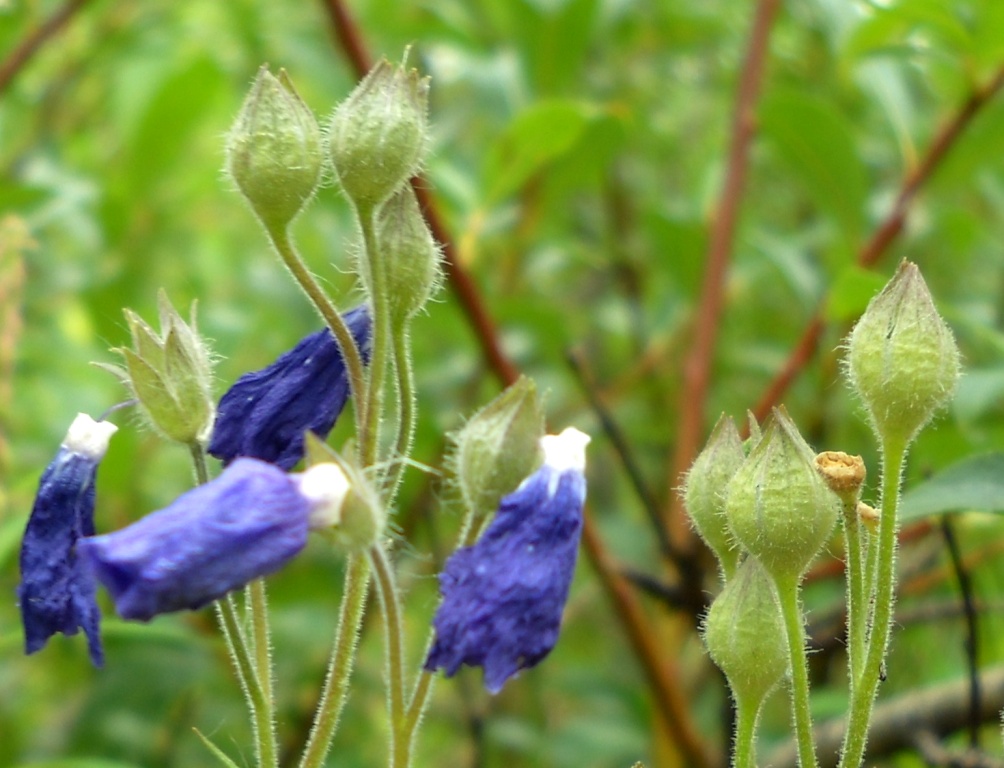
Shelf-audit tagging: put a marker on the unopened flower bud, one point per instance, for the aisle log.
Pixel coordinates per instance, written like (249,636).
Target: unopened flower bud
(274,150)
(744,633)
(377,135)
(704,490)
(844,474)
(869,517)
(902,359)
(410,255)
(778,506)
(169,374)
(499,447)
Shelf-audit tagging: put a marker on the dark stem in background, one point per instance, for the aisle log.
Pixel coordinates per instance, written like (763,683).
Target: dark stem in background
(31,43)
(971,643)
(697,366)
(884,235)
(662,676)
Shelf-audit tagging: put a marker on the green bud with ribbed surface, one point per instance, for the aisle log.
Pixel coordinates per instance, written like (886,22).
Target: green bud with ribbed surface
(377,136)
(410,255)
(902,360)
(778,506)
(274,152)
(704,491)
(744,633)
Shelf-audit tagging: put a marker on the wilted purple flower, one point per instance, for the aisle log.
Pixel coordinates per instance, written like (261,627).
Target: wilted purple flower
(503,597)
(265,413)
(56,594)
(246,523)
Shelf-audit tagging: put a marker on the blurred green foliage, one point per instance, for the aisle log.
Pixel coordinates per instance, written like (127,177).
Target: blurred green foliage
(579,148)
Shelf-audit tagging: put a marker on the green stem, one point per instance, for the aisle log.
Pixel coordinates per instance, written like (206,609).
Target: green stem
(199,460)
(369,434)
(336,683)
(350,352)
(857,605)
(863,696)
(744,752)
(787,593)
(258,608)
(408,413)
(387,589)
(416,705)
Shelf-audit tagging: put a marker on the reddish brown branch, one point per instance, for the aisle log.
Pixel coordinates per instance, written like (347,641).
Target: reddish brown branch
(662,677)
(34,40)
(697,367)
(885,235)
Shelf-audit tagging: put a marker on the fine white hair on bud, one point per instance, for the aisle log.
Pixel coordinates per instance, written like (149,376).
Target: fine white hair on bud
(565,451)
(88,437)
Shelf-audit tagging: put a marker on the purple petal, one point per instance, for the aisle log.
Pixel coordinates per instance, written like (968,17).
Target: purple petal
(246,523)
(265,413)
(503,597)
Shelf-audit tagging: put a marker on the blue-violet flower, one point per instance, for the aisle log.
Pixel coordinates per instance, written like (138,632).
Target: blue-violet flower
(246,523)
(56,594)
(503,596)
(265,413)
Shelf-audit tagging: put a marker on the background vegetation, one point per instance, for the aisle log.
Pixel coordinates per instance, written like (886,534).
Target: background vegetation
(694,197)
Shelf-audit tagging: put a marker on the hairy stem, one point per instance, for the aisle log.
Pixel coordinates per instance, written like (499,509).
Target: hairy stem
(794,625)
(393,630)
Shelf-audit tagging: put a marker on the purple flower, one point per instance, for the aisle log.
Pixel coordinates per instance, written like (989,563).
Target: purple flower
(246,523)
(265,414)
(503,597)
(56,594)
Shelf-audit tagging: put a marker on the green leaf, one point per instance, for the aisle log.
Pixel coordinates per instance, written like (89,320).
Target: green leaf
(851,292)
(975,483)
(906,25)
(816,142)
(538,136)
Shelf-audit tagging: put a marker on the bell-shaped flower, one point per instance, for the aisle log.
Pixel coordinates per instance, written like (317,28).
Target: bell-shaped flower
(246,523)
(503,596)
(56,594)
(265,414)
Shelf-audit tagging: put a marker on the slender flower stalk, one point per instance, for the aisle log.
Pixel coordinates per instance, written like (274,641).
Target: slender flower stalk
(794,624)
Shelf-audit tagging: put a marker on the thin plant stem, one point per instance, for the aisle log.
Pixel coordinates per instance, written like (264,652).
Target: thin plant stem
(857,612)
(863,695)
(199,461)
(791,611)
(744,750)
(416,705)
(283,245)
(407,412)
(262,645)
(387,589)
(336,683)
(369,433)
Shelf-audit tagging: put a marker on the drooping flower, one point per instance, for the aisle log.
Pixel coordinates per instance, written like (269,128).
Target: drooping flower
(56,594)
(246,523)
(265,413)
(503,596)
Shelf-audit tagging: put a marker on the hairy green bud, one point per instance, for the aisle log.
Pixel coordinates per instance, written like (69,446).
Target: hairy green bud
(170,374)
(378,134)
(704,490)
(744,633)
(274,150)
(778,506)
(499,447)
(902,360)
(410,256)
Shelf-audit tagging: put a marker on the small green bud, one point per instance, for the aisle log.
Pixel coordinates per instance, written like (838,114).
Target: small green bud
(778,506)
(410,255)
(744,633)
(704,491)
(378,134)
(499,447)
(902,359)
(170,375)
(348,511)
(274,150)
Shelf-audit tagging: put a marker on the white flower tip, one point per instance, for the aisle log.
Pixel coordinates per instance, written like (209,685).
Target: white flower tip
(566,451)
(325,486)
(89,437)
